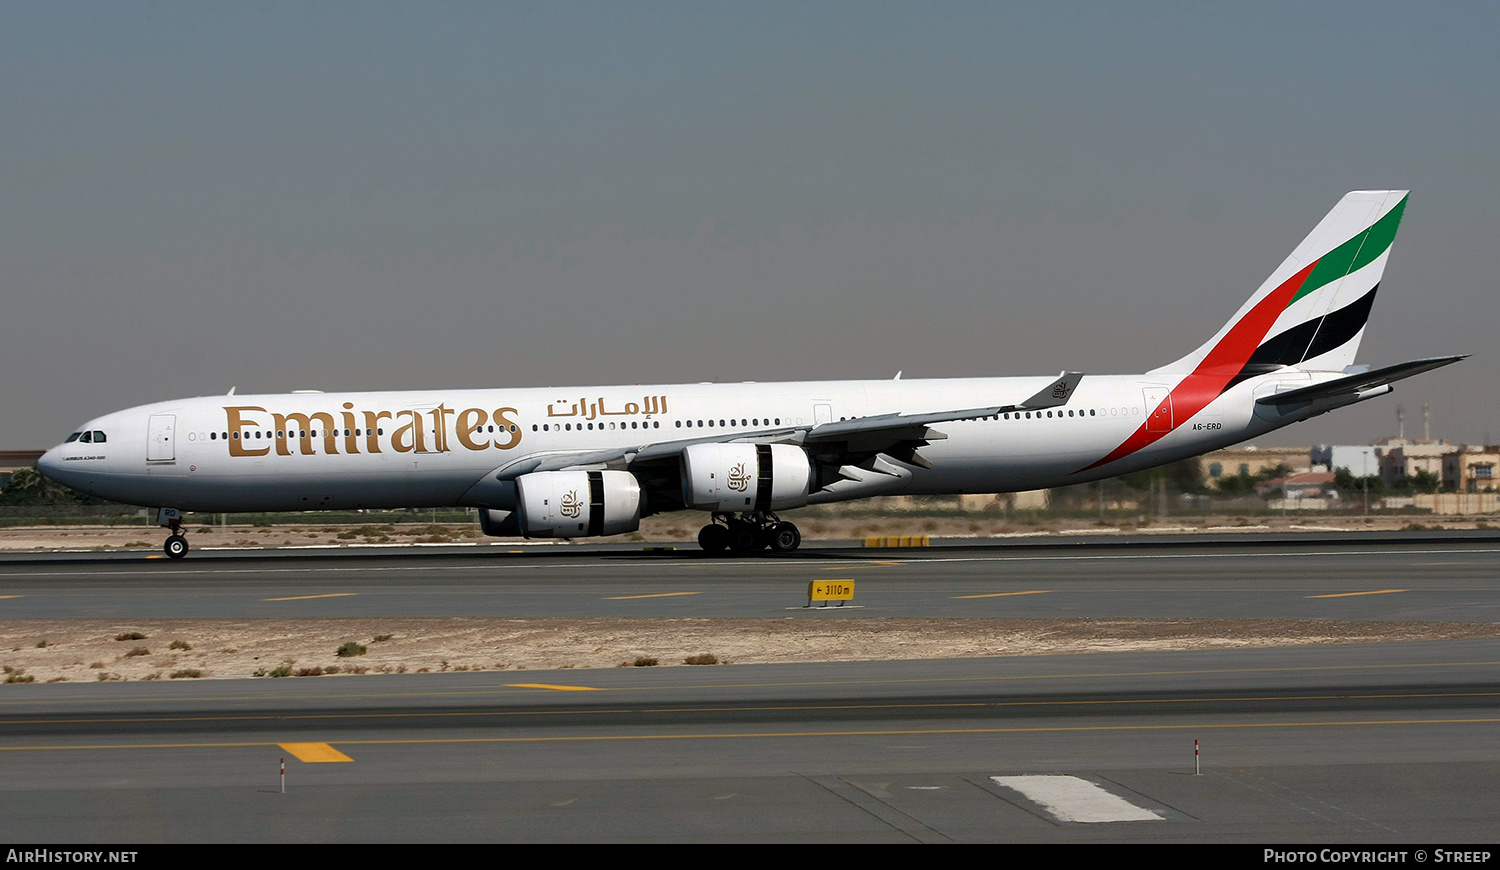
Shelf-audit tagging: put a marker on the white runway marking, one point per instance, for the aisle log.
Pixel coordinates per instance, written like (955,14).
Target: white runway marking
(1071,799)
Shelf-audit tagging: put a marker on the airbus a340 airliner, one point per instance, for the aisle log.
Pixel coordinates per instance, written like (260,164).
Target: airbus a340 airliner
(573,463)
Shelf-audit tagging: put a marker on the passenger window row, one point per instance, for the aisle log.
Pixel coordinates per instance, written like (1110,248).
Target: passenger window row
(303,433)
(579,427)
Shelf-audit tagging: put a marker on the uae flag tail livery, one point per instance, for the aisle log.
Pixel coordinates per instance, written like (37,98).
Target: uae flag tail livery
(580,462)
(1308,317)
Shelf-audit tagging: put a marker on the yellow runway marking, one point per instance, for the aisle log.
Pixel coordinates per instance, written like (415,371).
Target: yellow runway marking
(1351,594)
(314,753)
(653,595)
(1003,594)
(612,738)
(12,596)
(554,687)
(306,597)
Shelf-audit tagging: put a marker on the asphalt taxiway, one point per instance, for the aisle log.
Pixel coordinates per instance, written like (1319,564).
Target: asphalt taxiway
(1378,743)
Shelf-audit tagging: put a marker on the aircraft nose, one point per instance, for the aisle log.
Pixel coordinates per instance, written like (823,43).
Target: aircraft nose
(50,463)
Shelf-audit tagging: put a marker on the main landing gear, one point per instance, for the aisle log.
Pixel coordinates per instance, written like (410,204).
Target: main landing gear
(746,533)
(171,518)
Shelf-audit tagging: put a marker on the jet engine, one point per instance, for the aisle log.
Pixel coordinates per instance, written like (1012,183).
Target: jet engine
(577,504)
(745,477)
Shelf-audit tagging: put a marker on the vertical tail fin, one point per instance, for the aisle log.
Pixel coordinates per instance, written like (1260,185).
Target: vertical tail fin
(1311,312)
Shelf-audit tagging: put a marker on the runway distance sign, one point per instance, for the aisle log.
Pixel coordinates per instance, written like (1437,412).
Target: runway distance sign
(830,590)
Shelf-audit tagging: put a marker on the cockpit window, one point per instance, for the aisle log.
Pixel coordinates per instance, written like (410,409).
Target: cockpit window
(73,437)
(86,438)
(98,437)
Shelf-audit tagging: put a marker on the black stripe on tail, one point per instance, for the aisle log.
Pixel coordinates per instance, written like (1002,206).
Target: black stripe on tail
(1307,340)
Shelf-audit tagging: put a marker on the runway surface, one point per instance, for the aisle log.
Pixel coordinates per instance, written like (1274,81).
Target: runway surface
(1393,742)
(1412,578)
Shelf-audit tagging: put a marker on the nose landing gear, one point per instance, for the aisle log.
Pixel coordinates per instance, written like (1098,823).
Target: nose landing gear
(177,545)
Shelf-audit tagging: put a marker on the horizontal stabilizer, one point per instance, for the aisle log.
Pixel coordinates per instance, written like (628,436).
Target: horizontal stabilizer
(1356,384)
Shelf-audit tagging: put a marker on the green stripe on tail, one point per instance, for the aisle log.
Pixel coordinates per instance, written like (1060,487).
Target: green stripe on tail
(1358,252)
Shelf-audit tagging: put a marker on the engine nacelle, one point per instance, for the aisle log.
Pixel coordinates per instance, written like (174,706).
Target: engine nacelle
(577,504)
(745,477)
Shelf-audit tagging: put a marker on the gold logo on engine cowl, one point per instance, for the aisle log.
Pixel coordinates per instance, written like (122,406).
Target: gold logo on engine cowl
(571,506)
(739,479)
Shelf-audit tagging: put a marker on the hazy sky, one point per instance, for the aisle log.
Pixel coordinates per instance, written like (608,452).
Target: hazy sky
(369,196)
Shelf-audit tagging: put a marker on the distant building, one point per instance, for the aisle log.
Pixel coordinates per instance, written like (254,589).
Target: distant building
(1251,461)
(1357,459)
(1400,458)
(1471,470)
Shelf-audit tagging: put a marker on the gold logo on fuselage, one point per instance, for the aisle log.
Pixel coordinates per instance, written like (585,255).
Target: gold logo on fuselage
(647,407)
(410,431)
(254,430)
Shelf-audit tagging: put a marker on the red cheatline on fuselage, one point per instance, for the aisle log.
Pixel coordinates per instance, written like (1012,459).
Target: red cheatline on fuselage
(1208,381)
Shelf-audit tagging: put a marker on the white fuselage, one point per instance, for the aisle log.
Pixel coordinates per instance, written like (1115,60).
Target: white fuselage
(309,451)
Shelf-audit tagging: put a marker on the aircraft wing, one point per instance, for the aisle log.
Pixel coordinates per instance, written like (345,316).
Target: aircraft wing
(898,435)
(1360,383)
(901,426)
